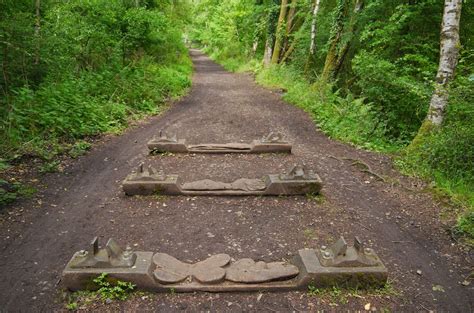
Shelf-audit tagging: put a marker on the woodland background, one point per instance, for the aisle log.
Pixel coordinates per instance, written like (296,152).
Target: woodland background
(364,70)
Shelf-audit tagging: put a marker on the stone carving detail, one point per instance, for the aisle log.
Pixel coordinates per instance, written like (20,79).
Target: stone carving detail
(148,181)
(216,269)
(164,137)
(273,142)
(336,265)
(299,172)
(242,184)
(272,137)
(339,254)
(228,147)
(171,270)
(111,257)
(249,271)
(147,174)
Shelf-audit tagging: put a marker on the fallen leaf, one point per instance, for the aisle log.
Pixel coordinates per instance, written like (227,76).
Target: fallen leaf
(438,288)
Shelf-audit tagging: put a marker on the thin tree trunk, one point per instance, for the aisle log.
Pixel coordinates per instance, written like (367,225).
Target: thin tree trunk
(289,51)
(255,46)
(448,60)
(289,26)
(267,56)
(37,30)
(313,27)
(335,39)
(278,35)
(341,56)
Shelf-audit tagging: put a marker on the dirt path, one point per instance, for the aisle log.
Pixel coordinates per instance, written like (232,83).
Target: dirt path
(39,236)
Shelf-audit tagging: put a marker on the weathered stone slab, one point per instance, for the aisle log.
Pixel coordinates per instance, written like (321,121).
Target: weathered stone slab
(170,270)
(298,181)
(340,266)
(270,143)
(333,266)
(249,271)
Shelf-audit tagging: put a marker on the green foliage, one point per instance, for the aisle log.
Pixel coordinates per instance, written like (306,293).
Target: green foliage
(100,63)
(79,148)
(342,117)
(10,191)
(113,290)
(446,156)
(105,289)
(400,101)
(49,167)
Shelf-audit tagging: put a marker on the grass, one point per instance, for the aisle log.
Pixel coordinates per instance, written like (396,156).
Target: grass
(11,191)
(341,295)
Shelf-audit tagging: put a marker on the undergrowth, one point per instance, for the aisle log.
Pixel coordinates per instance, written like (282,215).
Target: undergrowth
(106,291)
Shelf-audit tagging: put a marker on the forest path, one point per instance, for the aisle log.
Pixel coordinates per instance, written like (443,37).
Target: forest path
(39,236)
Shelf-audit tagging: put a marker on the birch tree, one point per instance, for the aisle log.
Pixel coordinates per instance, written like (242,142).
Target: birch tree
(448,59)
(313,27)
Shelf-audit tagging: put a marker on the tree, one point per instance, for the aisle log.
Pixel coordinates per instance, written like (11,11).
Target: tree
(279,32)
(340,16)
(448,59)
(313,27)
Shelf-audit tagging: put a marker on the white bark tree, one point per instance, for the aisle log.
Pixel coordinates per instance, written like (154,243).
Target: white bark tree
(267,56)
(448,59)
(313,27)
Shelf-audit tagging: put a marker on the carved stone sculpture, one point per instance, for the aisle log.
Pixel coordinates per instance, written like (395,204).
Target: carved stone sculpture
(242,184)
(170,270)
(298,181)
(112,256)
(336,265)
(273,142)
(249,271)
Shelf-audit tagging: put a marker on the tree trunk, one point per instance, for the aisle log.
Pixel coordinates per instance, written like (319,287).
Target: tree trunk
(343,51)
(448,59)
(37,30)
(313,27)
(335,39)
(255,46)
(289,26)
(267,55)
(278,35)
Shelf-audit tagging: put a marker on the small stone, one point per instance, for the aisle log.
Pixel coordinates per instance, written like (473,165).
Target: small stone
(419,272)
(367,307)
(466,283)
(108,301)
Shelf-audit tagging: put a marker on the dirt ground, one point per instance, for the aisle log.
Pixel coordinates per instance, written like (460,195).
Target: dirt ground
(397,217)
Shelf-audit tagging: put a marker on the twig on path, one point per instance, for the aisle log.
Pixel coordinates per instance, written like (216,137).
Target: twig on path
(363,226)
(367,168)
(398,241)
(336,158)
(355,162)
